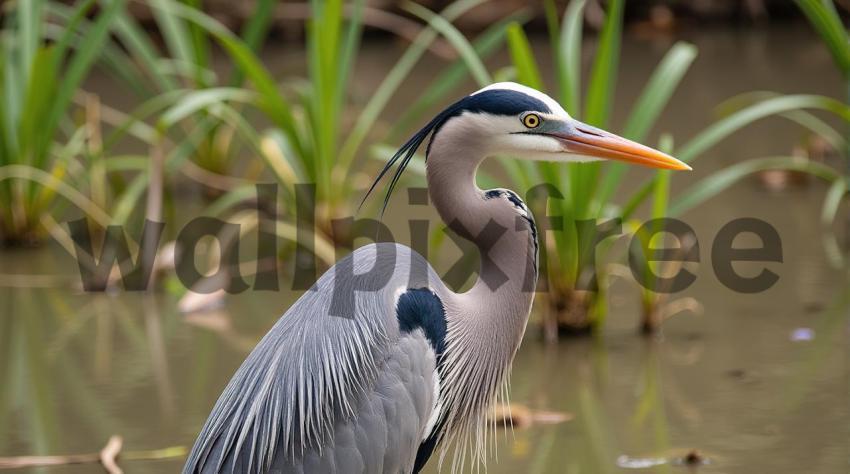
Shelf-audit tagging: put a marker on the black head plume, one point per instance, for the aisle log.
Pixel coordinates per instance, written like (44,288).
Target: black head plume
(406,152)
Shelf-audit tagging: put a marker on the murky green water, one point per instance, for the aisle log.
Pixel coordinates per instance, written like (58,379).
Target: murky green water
(729,382)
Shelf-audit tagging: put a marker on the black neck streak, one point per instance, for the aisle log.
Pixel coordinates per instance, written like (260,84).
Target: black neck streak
(523,213)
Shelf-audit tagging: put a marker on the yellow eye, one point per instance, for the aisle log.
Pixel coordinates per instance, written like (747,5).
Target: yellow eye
(531,120)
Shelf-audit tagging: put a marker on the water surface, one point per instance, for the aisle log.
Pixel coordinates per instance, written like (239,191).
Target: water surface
(729,382)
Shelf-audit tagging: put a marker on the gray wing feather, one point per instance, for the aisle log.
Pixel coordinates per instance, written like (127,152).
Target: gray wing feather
(324,393)
(386,432)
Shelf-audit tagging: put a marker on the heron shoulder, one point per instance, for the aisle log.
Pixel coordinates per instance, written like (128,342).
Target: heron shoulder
(421,308)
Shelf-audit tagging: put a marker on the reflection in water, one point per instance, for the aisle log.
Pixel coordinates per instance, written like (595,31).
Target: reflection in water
(159,358)
(76,368)
(83,367)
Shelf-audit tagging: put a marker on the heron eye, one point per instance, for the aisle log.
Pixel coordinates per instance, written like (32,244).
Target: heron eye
(531,120)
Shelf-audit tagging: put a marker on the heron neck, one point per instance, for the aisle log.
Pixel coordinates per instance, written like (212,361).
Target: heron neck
(499,302)
(484,325)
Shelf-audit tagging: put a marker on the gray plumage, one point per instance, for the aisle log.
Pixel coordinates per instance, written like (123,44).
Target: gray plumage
(411,365)
(317,391)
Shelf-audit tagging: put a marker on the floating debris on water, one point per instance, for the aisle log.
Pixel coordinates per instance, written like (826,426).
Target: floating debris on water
(193,302)
(629,462)
(802,334)
(520,416)
(206,295)
(107,457)
(736,373)
(690,458)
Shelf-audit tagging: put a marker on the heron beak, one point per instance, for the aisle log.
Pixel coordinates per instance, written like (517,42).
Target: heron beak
(582,139)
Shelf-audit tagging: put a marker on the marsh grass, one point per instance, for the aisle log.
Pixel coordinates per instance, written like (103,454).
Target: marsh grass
(590,186)
(572,304)
(58,141)
(593,186)
(317,132)
(192,119)
(48,155)
(824,18)
(184,68)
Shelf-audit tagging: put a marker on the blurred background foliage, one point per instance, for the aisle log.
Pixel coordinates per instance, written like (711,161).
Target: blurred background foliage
(204,114)
(226,128)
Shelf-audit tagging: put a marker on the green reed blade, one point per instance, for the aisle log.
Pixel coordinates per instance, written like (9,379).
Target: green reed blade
(456,39)
(174,31)
(726,126)
(826,21)
(570,42)
(522,57)
(394,79)
(832,201)
(449,79)
(85,54)
(140,47)
(649,105)
(603,78)
(723,179)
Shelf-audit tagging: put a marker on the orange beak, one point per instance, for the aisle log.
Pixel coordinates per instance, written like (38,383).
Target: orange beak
(583,139)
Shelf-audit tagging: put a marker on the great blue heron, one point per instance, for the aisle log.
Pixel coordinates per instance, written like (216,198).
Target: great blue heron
(413,365)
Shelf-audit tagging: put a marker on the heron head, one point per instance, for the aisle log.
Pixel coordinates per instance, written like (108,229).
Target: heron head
(513,119)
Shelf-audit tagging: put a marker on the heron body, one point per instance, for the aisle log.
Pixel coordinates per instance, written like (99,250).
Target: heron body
(414,365)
